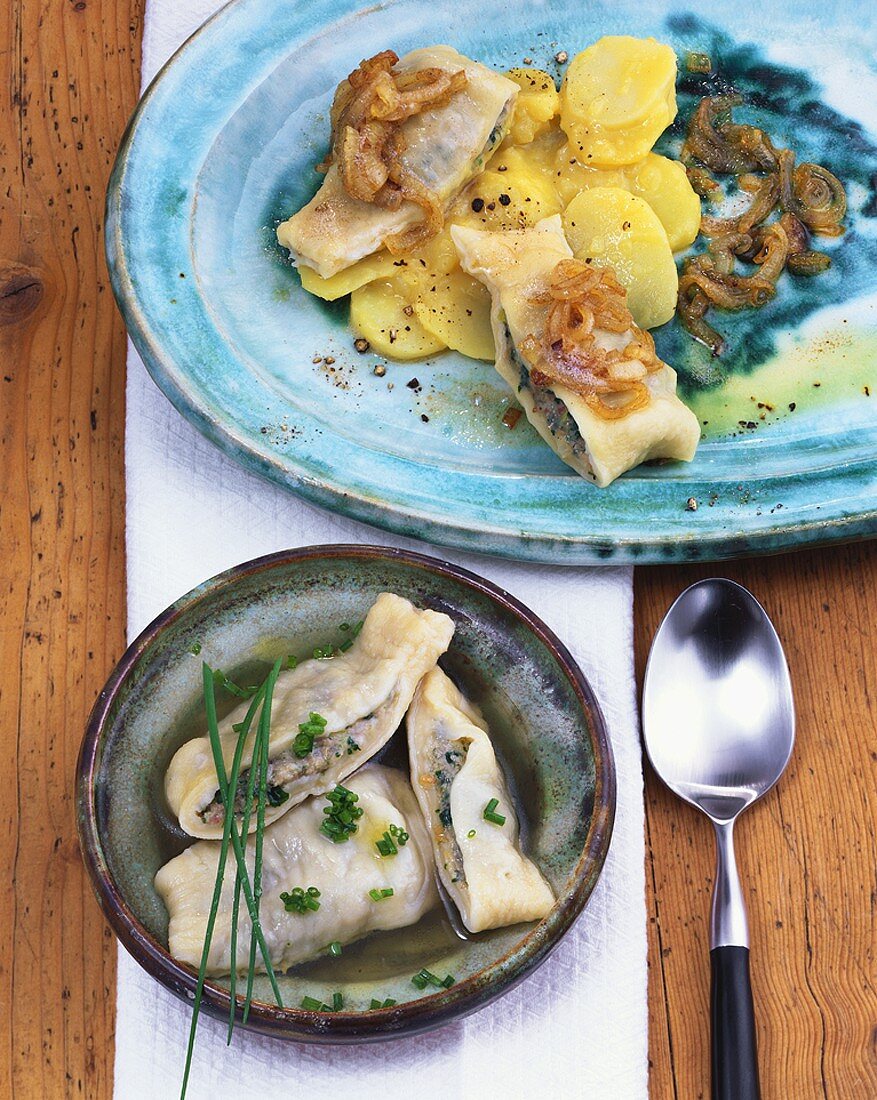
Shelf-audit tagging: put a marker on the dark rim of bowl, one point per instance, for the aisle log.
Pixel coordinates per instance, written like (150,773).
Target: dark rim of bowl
(430,1011)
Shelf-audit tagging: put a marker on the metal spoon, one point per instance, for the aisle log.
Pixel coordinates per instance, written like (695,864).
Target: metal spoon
(719,725)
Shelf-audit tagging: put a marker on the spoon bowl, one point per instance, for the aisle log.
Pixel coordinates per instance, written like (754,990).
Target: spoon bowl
(718,715)
(719,727)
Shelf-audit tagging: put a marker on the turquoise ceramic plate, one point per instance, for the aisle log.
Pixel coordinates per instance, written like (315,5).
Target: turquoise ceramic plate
(223,146)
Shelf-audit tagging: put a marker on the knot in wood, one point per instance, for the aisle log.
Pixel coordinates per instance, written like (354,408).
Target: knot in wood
(21,291)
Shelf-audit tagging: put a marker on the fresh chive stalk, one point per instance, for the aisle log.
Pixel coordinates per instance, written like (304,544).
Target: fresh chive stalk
(227,825)
(245,828)
(263,734)
(239,853)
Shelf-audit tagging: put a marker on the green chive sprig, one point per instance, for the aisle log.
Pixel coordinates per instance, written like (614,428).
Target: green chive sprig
(263,735)
(245,829)
(227,786)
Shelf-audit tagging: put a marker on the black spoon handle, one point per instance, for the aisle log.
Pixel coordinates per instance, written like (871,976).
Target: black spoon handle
(734,1054)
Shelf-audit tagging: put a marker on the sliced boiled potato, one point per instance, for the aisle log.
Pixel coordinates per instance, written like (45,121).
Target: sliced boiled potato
(456,310)
(381,312)
(516,198)
(665,186)
(617,97)
(616,229)
(536,157)
(535,107)
(662,182)
(378,266)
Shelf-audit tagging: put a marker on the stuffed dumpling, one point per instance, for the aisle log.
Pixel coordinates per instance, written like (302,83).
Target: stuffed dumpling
(407,135)
(360,696)
(469,812)
(297,855)
(586,376)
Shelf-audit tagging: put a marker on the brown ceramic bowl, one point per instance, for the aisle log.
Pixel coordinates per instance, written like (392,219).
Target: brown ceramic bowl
(544,719)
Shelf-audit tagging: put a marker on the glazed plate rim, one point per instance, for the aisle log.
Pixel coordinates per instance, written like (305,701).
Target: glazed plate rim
(646,532)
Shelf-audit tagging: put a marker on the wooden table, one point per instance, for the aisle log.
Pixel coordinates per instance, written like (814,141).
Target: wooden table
(70,81)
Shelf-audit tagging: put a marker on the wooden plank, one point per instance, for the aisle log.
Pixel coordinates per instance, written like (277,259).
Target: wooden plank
(70,81)
(808,852)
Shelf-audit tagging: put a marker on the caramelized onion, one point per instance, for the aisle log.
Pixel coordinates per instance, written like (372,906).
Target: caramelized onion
(692,306)
(796,232)
(811,199)
(368,111)
(582,297)
(808,263)
(773,251)
(731,292)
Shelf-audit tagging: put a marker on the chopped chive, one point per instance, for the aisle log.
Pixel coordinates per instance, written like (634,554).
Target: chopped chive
(220,678)
(311,1004)
(195,649)
(308,732)
(276,796)
(345,645)
(426,977)
(388,1003)
(323,652)
(299,900)
(344,626)
(291,661)
(334,948)
(379,894)
(471,833)
(337,1002)
(490,813)
(387,846)
(342,813)
(355,629)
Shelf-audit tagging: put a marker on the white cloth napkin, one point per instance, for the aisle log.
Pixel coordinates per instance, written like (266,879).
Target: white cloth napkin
(575,1029)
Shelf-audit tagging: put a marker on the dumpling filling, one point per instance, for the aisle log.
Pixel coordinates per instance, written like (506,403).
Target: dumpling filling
(289,767)
(448,758)
(468,809)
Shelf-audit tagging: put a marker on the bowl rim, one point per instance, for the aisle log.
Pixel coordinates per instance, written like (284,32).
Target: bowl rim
(409,1018)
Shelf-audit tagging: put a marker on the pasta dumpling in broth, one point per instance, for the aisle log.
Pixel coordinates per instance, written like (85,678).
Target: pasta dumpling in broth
(469,812)
(297,855)
(360,696)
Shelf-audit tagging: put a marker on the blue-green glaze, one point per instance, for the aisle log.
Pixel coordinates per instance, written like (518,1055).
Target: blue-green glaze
(546,725)
(216,155)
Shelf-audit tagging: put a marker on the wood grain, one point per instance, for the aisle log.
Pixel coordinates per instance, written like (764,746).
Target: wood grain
(71,76)
(70,80)
(808,851)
